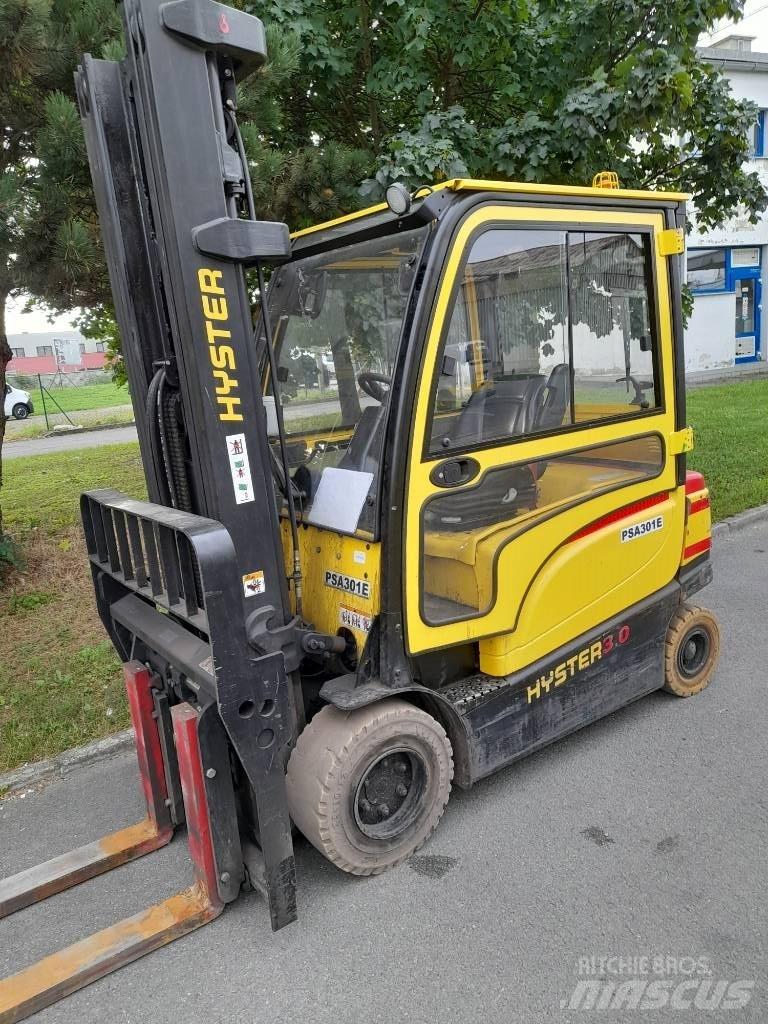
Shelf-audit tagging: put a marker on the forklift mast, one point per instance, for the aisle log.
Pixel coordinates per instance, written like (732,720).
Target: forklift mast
(201,592)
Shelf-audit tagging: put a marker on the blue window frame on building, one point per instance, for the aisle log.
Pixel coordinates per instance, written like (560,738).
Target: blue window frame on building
(735,270)
(757,136)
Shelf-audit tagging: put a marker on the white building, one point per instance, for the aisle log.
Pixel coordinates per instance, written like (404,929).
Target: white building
(725,267)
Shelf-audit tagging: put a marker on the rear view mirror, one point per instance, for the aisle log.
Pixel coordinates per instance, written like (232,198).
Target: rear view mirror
(312,288)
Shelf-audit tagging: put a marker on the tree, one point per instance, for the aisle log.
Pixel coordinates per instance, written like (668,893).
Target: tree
(40,43)
(538,91)
(409,90)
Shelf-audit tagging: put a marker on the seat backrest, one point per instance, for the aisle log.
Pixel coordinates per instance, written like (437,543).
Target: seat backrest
(556,398)
(362,452)
(501,408)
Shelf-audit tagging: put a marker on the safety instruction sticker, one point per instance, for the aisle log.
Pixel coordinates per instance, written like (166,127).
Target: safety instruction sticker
(354,620)
(240,468)
(641,529)
(253,583)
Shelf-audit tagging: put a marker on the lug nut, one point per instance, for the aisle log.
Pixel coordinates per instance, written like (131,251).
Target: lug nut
(211,773)
(401,789)
(224,876)
(401,768)
(384,811)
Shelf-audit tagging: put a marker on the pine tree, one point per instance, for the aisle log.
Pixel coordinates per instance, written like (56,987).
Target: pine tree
(46,209)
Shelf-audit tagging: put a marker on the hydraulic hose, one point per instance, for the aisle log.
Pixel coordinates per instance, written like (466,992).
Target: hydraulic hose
(155,442)
(267,326)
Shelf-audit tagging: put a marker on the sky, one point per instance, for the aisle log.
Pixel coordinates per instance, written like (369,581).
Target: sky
(17,322)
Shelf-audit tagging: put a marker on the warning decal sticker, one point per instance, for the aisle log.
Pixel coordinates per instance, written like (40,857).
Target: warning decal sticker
(240,468)
(254,583)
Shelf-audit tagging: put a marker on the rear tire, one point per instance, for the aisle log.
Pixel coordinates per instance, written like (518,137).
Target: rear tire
(691,651)
(20,411)
(368,787)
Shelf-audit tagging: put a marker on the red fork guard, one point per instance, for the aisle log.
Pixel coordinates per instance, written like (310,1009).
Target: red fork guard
(58,975)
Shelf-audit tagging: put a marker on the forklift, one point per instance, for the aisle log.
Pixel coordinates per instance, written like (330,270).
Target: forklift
(471,532)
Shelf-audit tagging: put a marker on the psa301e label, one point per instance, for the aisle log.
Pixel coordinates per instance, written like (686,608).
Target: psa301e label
(641,529)
(349,584)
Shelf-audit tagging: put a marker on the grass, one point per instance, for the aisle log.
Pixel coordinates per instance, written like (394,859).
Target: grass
(80,397)
(35,427)
(43,490)
(730,424)
(60,679)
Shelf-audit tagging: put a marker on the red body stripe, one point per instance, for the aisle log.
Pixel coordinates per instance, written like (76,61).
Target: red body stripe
(619,514)
(698,547)
(699,505)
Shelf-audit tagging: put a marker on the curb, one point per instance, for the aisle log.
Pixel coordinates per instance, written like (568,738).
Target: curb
(85,430)
(78,757)
(735,524)
(70,433)
(60,765)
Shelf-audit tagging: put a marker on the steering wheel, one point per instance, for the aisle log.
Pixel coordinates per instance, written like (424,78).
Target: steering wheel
(375,385)
(639,386)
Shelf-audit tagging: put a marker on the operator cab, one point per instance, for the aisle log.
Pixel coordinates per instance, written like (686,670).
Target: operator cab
(542,334)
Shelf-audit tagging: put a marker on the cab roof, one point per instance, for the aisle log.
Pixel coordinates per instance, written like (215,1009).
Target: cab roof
(517,187)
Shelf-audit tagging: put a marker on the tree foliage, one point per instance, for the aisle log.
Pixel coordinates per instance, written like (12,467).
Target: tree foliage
(358,94)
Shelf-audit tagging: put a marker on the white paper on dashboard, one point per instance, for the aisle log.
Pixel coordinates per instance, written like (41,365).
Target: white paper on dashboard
(339,499)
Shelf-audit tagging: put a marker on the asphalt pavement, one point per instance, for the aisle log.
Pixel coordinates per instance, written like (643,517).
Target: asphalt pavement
(641,840)
(69,442)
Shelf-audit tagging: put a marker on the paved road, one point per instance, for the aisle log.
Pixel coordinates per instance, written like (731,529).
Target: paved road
(117,435)
(68,442)
(644,835)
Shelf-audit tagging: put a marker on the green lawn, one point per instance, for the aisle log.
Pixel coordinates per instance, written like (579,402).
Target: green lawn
(60,679)
(44,490)
(78,398)
(730,424)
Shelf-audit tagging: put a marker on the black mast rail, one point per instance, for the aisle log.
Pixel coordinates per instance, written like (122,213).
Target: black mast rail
(170,190)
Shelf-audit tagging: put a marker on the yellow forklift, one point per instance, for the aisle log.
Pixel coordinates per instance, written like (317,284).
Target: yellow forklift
(422,512)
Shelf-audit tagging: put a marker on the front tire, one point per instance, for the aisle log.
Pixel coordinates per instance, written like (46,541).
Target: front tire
(20,411)
(368,787)
(691,651)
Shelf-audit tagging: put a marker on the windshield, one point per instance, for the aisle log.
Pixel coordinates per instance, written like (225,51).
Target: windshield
(336,320)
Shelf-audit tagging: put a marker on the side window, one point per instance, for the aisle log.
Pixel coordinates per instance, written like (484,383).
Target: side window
(613,361)
(548,329)
(464,530)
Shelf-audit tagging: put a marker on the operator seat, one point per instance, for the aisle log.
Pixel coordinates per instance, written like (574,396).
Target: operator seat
(505,407)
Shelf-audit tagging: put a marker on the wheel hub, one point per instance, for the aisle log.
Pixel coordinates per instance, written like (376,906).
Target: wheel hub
(387,797)
(693,653)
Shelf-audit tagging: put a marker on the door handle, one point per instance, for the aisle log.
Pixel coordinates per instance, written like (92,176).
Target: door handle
(454,472)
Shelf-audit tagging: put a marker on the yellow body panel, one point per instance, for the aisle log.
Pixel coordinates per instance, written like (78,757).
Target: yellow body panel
(545,591)
(584,582)
(321,551)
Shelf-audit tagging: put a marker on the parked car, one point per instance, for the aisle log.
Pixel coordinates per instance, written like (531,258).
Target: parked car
(17,403)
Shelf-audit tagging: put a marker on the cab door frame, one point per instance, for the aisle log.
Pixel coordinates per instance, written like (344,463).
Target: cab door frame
(404,434)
